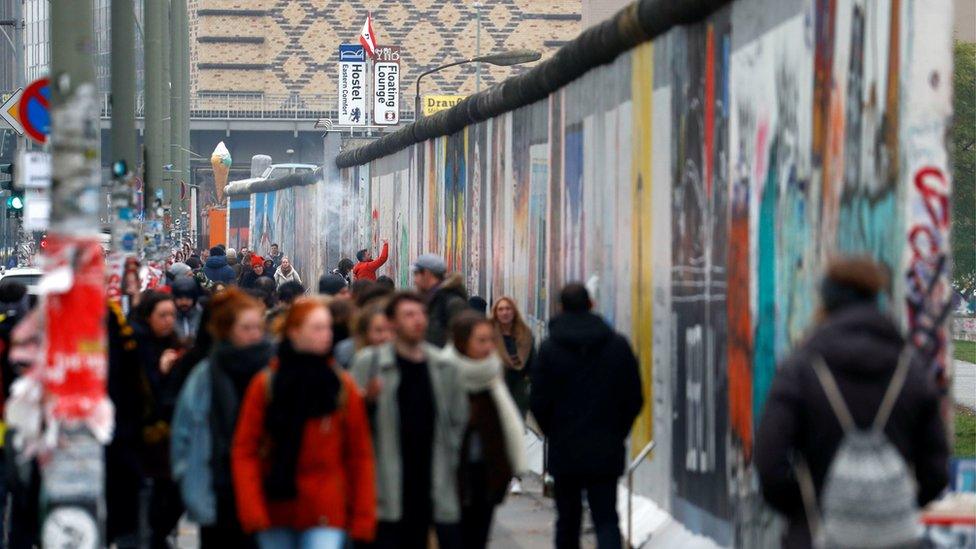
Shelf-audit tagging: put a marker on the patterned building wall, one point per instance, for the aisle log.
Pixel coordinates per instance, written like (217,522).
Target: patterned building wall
(289,46)
(699,185)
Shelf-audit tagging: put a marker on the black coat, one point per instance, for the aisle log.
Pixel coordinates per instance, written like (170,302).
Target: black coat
(448,299)
(123,467)
(586,393)
(861,347)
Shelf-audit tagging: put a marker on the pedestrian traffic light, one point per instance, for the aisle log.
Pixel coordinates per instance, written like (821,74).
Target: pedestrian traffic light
(15,201)
(119,169)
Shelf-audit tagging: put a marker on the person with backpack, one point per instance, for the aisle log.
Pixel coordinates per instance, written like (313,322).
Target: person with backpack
(302,460)
(586,394)
(851,444)
(206,414)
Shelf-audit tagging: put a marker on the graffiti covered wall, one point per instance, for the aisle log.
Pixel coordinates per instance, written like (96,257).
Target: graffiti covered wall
(698,185)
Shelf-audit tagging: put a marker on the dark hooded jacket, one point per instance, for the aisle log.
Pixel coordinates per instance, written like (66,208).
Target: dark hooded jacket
(217,269)
(447,300)
(860,346)
(586,393)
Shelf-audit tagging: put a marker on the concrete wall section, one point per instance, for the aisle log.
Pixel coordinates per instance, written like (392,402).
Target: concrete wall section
(698,185)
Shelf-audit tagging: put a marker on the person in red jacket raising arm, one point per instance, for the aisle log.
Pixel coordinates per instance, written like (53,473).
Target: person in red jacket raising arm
(367,266)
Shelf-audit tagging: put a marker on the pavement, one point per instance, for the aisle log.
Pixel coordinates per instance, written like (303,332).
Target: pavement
(964,384)
(524,521)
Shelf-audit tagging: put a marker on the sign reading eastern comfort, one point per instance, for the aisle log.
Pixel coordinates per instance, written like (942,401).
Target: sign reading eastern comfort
(352,85)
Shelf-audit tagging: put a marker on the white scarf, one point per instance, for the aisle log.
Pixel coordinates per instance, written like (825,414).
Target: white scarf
(486,374)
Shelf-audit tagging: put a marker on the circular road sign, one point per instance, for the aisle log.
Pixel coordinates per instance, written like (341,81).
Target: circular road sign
(34,110)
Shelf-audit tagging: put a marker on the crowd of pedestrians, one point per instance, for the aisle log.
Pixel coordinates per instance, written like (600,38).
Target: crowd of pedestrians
(362,415)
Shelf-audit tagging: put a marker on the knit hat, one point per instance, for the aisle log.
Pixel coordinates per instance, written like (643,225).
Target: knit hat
(257,260)
(217,250)
(185,287)
(179,269)
(231,253)
(194,263)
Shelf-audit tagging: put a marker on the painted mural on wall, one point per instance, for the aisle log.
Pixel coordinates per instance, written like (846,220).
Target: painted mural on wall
(698,185)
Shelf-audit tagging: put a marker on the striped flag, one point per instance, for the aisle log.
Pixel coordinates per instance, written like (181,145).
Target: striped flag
(367,38)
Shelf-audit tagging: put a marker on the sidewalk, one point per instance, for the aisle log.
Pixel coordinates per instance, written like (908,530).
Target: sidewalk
(964,384)
(528,521)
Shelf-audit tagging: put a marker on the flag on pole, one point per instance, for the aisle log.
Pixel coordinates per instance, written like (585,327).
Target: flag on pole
(367,38)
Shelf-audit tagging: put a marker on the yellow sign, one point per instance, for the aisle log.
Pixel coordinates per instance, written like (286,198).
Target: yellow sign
(437,103)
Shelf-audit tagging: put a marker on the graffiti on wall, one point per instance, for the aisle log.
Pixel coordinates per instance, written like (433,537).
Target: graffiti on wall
(698,185)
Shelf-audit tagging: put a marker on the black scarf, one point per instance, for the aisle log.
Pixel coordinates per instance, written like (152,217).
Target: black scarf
(231,370)
(304,387)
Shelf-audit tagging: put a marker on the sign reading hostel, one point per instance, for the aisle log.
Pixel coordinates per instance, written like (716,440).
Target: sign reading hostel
(352,85)
(437,103)
(386,86)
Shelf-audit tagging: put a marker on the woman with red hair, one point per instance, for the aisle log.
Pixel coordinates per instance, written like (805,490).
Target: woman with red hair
(302,458)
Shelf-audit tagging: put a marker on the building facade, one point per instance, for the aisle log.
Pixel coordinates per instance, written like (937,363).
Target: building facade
(282,48)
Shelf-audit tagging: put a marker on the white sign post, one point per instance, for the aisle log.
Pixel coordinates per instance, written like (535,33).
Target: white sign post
(352,85)
(386,86)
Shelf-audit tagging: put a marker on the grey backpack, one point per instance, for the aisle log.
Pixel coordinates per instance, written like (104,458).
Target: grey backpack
(868,497)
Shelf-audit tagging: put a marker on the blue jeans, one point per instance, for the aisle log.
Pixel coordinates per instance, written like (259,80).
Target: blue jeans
(313,538)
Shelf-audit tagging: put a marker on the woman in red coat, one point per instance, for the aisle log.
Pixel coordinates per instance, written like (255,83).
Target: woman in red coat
(302,459)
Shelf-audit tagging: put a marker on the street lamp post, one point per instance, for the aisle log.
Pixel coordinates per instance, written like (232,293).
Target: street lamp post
(504,59)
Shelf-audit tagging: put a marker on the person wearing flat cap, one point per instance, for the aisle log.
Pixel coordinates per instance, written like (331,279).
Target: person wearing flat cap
(445,295)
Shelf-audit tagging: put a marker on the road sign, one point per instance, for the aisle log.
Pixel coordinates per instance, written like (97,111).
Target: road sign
(386,86)
(33,170)
(34,110)
(10,111)
(352,85)
(34,176)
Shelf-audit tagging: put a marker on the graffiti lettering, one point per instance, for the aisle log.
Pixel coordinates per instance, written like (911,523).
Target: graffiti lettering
(927,292)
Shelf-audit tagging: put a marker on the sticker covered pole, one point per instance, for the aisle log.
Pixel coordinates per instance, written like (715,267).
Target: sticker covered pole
(77,412)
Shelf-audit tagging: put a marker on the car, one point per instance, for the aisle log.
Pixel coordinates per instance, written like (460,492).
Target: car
(28,276)
(277,171)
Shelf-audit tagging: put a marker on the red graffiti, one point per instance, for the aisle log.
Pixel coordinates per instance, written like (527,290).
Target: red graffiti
(935,198)
(928,296)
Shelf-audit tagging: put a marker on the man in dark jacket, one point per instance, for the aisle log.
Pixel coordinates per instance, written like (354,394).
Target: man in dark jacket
(216,267)
(445,295)
(861,347)
(586,393)
(186,293)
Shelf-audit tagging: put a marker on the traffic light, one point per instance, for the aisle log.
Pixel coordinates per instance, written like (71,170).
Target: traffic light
(15,204)
(119,169)
(16,201)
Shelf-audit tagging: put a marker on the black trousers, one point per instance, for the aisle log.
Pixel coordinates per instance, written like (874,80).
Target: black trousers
(226,531)
(601,492)
(414,534)
(476,525)
(165,510)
